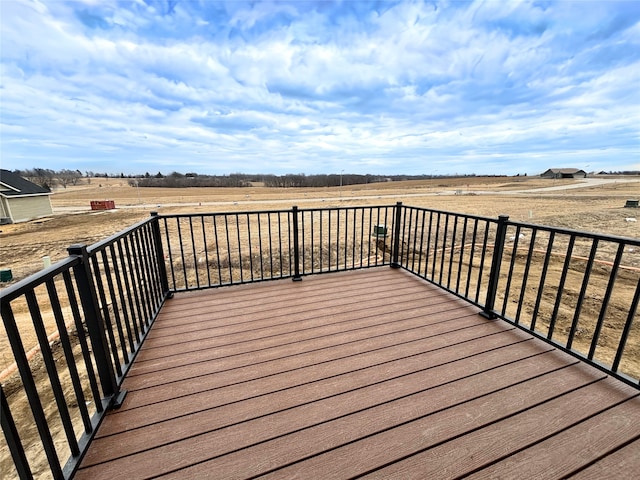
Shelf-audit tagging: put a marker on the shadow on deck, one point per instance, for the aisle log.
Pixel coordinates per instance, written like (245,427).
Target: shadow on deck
(372,373)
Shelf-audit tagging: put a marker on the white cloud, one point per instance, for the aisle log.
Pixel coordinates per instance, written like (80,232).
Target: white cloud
(320,87)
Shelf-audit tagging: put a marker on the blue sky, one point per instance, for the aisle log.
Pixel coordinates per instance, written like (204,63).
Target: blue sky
(493,87)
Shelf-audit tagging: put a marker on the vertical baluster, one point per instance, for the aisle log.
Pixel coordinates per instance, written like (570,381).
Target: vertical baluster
(296,248)
(472,252)
(543,279)
(435,248)
(514,252)
(395,252)
(303,245)
(462,247)
(321,240)
(421,243)
(260,247)
(313,243)
(182,257)
(525,275)
(195,252)
(269,233)
(485,239)
(627,328)
(239,248)
(218,260)
(170,253)
(415,239)
(443,250)
(563,278)
(605,301)
(206,249)
(329,239)
(453,248)
(369,242)
(229,259)
(13,439)
(249,243)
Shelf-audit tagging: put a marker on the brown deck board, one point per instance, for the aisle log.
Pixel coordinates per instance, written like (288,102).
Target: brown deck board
(621,463)
(371,372)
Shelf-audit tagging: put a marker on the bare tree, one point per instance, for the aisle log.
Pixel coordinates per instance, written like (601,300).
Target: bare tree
(68,177)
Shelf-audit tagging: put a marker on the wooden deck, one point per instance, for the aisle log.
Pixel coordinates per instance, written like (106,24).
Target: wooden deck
(373,373)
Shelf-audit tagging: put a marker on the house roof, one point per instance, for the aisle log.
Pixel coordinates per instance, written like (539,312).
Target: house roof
(565,170)
(18,186)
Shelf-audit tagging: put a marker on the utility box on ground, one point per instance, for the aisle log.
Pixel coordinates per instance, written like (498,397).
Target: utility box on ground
(379,231)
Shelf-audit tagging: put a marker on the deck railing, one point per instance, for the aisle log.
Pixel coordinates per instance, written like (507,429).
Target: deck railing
(219,249)
(100,303)
(577,290)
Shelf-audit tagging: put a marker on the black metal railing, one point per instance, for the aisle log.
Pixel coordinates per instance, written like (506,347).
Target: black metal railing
(100,302)
(452,250)
(576,290)
(219,249)
(579,291)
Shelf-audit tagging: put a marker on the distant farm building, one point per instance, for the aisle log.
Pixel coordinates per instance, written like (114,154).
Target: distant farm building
(22,200)
(564,173)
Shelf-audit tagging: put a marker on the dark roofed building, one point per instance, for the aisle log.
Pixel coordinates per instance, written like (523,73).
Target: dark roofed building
(564,173)
(22,200)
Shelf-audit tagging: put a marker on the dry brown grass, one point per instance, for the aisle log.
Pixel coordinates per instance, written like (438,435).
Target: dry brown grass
(596,209)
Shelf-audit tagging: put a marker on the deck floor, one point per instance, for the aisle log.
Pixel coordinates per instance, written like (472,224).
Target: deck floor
(372,373)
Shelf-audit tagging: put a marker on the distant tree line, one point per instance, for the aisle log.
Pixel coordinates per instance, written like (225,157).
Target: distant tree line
(624,172)
(179,180)
(48,178)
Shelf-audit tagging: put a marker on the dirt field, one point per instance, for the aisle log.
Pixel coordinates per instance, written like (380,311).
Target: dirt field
(595,206)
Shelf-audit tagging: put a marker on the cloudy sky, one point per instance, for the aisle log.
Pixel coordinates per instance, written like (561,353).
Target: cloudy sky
(487,87)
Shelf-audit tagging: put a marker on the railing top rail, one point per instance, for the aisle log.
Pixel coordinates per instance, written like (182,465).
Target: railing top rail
(17,289)
(456,214)
(324,209)
(579,233)
(254,212)
(96,247)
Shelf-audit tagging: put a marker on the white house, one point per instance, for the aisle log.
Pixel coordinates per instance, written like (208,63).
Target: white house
(22,200)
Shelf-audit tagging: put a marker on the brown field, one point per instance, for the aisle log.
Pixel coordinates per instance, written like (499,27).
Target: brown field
(595,207)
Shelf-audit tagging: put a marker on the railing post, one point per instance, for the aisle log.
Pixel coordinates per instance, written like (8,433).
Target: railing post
(494,275)
(395,252)
(296,247)
(157,238)
(95,326)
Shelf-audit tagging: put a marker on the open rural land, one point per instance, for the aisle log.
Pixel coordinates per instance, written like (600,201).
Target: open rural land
(583,204)
(593,204)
